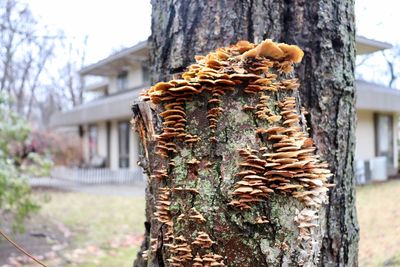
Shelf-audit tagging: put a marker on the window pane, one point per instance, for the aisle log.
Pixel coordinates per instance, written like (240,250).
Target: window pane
(122,80)
(92,140)
(123,144)
(383,132)
(384,137)
(145,73)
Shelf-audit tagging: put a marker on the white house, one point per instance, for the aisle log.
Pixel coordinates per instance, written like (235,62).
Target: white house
(104,122)
(378,109)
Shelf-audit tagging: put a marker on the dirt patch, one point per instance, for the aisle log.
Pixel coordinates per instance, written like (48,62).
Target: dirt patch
(41,238)
(79,229)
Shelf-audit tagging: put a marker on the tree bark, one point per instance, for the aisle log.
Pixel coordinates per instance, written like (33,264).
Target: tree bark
(325,31)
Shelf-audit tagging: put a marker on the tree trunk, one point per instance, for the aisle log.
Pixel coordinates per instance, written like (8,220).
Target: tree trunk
(325,31)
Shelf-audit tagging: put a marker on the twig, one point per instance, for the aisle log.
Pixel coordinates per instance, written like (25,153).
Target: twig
(21,249)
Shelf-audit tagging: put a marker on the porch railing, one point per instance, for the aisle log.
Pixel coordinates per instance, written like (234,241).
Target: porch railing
(99,175)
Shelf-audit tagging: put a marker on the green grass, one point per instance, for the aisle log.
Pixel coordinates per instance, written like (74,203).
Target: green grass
(378,207)
(108,229)
(95,219)
(121,257)
(98,221)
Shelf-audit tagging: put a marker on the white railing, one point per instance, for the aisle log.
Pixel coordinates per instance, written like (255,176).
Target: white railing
(99,176)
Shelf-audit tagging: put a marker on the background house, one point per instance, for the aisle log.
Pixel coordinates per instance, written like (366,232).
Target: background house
(104,121)
(107,139)
(378,109)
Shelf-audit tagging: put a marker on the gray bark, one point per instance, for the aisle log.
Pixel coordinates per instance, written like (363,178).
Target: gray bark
(325,31)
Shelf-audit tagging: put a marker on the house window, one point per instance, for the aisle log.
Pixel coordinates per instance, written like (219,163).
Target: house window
(145,73)
(122,80)
(108,127)
(92,141)
(123,144)
(384,137)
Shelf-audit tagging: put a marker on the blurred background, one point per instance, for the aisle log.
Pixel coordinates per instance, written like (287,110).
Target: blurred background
(71,191)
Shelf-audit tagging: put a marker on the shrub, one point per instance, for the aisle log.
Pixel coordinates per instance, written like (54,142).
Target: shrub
(15,194)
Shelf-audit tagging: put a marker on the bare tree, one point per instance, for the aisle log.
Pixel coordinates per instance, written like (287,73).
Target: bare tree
(388,71)
(67,80)
(26,50)
(63,88)
(392,58)
(38,82)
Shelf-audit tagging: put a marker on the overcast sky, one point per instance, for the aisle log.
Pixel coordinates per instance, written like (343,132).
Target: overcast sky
(378,20)
(111,25)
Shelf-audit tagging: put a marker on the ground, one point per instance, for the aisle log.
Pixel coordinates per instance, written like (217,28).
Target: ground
(89,229)
(80,229)
(379,218)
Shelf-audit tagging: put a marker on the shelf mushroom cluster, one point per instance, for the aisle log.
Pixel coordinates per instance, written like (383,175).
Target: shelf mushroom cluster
(192,214)
(300,172)
(252,186)
(181,252)
(306,220)
(263,112)
(217,73)
(162,213)
(203,240)
(208,260)
(291,168)
(214,110)
(241,66)
(174,116)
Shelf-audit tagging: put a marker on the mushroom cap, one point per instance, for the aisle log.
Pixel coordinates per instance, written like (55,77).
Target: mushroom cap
(276,51)
(243,189)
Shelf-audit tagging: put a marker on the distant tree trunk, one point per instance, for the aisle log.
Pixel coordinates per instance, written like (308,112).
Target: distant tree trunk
(325,31)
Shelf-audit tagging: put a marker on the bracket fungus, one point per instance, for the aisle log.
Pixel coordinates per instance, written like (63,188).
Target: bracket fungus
(203,240)
(284,162)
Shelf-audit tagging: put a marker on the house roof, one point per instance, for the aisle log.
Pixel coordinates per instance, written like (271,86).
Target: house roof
(118,61)
(377,97)
(366,46)
(116,106)
(98,86)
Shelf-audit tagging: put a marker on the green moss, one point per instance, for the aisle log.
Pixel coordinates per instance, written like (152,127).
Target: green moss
(193,127)
(180,170)
(192,106)
(204,173)
(175,207)
(206,191)
(191,184)
(237,218)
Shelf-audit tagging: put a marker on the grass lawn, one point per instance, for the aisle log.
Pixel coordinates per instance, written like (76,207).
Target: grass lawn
(378,207)
(105,230)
